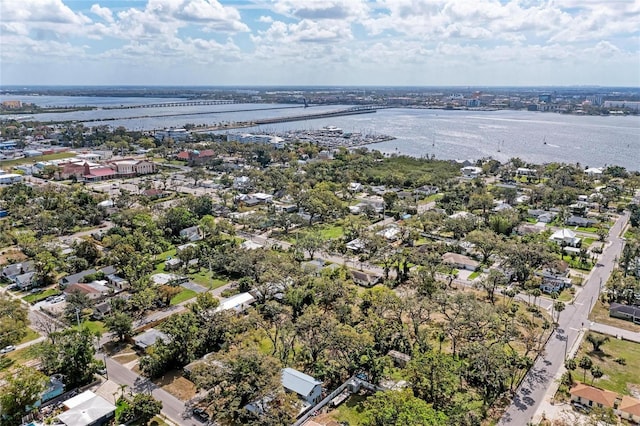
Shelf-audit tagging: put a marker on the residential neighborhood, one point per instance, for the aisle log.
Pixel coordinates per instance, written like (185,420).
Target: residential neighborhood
(189,282)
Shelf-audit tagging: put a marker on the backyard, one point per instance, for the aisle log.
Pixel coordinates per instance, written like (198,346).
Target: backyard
(621,377)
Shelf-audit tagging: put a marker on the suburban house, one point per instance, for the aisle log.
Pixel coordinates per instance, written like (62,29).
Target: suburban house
(191,234)
(239,303)
(148,338)
(625,312)
(542,215)
(390,233)
(307,388)
(54,388)
(101,310)
(427,190)
(629,409)
(460,261)
(471,172)
(25,281)
(76,278)
(593,171)
(87,409)
(579,209)
(94,291)
(591,396)
(365,279)
(172,264)
(10,272)
(565,236)
(580,221)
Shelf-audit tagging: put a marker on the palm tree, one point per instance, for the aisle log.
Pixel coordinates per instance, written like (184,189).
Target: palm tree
(586,364)
(596,373)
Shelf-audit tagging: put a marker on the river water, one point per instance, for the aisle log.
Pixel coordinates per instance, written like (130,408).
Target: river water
(533,136)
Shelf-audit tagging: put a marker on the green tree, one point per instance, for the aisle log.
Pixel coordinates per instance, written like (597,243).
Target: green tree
(585,363)
(71,354)
(486,242)
(120,324)
(570,365)
(491,283)
(597,341)
(238,378)
(13,320)
(596,373)
(435,377)
(400,408)
(19,394)
(142,409)
(88,251)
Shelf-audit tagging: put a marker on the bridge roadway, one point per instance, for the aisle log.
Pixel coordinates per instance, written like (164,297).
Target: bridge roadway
(175,104)
(366,109)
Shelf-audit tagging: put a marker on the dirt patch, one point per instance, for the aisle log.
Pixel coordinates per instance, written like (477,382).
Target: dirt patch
(125,358)
(122,353)
(634,390)
(174,383)
(11,255)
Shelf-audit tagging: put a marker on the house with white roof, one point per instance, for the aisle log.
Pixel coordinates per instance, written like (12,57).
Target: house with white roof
(87,409)
(566,236)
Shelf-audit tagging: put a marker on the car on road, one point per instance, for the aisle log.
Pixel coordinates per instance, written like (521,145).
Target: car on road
(200,414)
(7,349)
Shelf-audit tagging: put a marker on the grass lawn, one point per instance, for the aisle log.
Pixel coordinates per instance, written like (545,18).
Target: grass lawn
(22,356)
(31,335)
(326,231)
(204,279)
(351,411)
(93,326)
(590,229)
(600,313)
(185,294)
(35,298)
(616,377)
(474,275)
(586,242)
(29,160)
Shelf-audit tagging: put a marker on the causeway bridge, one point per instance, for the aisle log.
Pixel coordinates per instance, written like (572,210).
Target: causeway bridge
(176,104)
(363,109)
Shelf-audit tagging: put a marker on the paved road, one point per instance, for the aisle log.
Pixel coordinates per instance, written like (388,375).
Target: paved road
(532,391)
(614,331)
(172,407)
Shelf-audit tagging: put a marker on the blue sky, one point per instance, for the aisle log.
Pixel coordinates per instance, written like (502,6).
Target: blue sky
(320,42)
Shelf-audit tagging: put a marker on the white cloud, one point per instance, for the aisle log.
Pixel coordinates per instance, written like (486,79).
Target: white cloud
(265,19)
(322,9)
(102,12)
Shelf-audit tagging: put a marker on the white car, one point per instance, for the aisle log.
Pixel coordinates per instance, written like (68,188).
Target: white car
(7,349)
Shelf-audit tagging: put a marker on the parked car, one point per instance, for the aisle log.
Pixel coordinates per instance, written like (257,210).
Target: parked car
(200,414)
(7,349)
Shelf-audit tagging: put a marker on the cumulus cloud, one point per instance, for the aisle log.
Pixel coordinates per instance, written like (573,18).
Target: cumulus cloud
(102,12)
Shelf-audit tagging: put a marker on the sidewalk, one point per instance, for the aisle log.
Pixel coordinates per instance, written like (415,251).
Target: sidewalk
(547,409)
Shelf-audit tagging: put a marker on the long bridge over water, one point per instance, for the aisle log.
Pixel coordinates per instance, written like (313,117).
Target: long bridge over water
(364,109)
(175,104)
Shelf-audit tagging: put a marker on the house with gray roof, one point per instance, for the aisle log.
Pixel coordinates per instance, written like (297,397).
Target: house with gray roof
(149,338)
(305,386)
(625,312)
